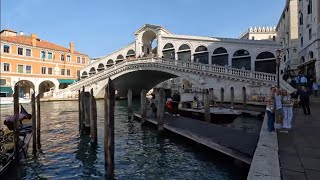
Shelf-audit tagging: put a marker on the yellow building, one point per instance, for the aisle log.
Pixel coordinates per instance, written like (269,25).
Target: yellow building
(37,65)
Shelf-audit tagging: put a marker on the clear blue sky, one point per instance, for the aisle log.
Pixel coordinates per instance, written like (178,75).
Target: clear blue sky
(98,27)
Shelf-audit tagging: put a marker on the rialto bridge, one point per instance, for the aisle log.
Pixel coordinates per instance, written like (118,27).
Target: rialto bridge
(205,62)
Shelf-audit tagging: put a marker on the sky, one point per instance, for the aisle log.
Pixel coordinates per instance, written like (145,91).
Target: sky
(99,27)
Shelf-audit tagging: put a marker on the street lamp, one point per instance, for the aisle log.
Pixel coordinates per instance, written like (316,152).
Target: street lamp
(278,53)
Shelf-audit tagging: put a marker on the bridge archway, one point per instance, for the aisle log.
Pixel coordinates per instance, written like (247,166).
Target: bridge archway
(241,60)
(149,43)
(100,67)
(45,87)
(92,71)
(220,57)
(84,75)
(169,51)
(265,62)
(110,63)
(119,58)
(184,53)
(26,87)
(201,55)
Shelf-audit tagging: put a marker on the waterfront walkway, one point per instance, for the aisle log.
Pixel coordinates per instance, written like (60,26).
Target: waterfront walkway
(233,142)
(299,149)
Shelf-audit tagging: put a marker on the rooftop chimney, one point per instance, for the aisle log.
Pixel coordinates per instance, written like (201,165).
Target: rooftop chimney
(71,47)
(21,33)
(34,39)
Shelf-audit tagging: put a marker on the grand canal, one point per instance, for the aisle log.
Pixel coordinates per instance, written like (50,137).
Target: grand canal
(140,153)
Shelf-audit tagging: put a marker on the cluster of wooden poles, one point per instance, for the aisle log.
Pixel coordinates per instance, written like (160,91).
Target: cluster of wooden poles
(88,116)
(36,123)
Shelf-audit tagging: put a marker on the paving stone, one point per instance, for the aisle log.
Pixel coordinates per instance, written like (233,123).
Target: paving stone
(292,175)
(313,175)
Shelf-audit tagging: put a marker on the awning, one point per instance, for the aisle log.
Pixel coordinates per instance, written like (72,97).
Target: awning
(6,89)
(66,81)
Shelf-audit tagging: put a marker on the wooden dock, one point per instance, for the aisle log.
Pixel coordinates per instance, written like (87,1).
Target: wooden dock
(236,143)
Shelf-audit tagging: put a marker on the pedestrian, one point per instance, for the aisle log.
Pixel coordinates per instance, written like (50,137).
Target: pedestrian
(287,109)
(154,105)
(270,110)
(278,109)
(304,100)
(303,80)
(315,87)
(175,103)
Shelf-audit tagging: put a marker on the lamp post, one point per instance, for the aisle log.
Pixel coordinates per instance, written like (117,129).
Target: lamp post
(278,53)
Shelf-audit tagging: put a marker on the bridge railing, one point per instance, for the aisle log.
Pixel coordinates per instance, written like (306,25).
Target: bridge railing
(174,63)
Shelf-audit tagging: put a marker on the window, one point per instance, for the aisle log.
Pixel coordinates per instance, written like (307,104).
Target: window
(68,58)
(62,72)
(6,67)
(252,37)
(20,51)
(20,68)
(28,52)
(43,54)
(301,41)
(49,55)
(78,60)
(310,34)
(49,70)
(28,69)
(78,74)
(274,38)
(68,72)
(43,70)
(6,49)
(3,82)
(301,19)
(83,60)
(62,57)
(310,7)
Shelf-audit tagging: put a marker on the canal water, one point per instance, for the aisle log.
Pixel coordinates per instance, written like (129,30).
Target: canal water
(140,153)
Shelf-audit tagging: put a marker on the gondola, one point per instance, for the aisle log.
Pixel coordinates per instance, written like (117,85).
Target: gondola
(7,155)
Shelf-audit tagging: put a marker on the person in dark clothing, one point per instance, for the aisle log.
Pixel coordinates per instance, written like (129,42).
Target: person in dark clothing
(304,99)
(175,103)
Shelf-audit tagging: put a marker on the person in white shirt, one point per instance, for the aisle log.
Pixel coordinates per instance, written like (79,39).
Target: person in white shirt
(287,109)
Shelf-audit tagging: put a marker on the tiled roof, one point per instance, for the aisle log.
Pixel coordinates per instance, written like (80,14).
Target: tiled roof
(26,40)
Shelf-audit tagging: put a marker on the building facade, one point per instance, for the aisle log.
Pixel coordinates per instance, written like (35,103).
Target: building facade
(37,65)
(260,33)
(287,37)
(309,38)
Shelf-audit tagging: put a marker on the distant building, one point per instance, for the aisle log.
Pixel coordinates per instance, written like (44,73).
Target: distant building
(37,65)
(309,38)
(287,37)
(260,33)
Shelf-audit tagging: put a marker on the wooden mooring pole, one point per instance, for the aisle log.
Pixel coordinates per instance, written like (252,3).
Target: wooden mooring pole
(207,115)
(34,124)
(86,104)
(93,119)
(211,96)
(82,104)
(222,95)
(16,122)
(79,109)
(109,100)
(38,122)
(143,102)
(129,96)
(161,105)
(232,97)
(244,96)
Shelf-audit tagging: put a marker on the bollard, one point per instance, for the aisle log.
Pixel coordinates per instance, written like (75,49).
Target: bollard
(34,124)
(109,100)
(160,111)
(129,96)
(16,122)
(207,115)
(93,119)
(143,106)
(38,122)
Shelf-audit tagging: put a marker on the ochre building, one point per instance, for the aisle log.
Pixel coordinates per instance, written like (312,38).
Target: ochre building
(37,65)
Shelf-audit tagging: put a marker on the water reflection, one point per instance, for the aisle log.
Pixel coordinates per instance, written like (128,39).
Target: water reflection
(140,152)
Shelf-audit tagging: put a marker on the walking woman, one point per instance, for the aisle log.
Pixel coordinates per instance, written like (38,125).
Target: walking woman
(287,109)
(304,99)
(278,109)
(270,110)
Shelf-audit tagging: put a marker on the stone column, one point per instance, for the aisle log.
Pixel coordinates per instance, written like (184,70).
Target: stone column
(161,104)
(143,106)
